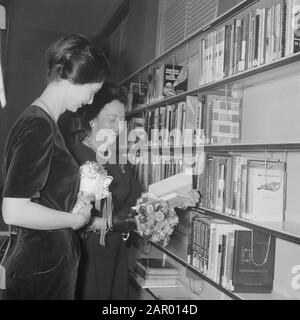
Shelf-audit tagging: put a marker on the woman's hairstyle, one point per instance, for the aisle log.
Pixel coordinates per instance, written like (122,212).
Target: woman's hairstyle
(79,124)
(75,59)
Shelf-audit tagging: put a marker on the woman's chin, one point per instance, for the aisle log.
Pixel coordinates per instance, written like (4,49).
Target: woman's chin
(73,109)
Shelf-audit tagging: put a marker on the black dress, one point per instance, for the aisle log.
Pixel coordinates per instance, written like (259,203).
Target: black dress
(103,271)
(37,165)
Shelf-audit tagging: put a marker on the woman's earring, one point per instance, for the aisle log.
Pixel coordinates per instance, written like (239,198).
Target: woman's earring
(92,124)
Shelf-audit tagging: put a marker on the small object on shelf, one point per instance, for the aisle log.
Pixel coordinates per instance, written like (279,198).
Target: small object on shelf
(156,273)
(148,284)
(253,269)
(174,79)
(156,266)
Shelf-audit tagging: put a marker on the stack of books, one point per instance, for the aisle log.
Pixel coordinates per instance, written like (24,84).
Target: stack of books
(156,273)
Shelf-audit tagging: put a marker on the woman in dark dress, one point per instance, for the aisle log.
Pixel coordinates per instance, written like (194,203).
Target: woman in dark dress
(42,178)
(103,270)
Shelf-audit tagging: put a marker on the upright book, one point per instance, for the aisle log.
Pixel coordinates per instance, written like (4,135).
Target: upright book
(266,190)
(174,79)
(253,265)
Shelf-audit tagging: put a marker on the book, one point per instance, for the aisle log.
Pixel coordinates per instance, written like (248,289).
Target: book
(253,264)
(146,284)
(152,278)
(296,26)
(225,119)
(173,189)
(138,94)
(156,266)
(265,190)
(174,79)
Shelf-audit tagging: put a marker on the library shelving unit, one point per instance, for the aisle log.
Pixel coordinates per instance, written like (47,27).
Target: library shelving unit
(250,54)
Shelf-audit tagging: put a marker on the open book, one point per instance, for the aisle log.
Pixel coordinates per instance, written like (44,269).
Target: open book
(174,189)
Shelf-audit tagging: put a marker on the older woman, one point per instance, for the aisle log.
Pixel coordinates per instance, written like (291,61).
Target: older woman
(103,270)
(42,180)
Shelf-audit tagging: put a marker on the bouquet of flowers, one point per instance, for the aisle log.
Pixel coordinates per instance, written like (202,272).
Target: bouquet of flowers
(94,183)
(155,218)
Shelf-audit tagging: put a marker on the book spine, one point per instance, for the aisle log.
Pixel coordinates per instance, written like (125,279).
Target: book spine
(223,255)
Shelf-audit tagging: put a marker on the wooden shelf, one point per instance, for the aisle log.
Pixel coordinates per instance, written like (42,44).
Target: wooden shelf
(285,230)
(222,18)
(226,81)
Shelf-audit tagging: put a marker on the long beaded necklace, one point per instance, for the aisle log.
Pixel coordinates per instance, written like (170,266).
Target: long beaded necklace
(87,141)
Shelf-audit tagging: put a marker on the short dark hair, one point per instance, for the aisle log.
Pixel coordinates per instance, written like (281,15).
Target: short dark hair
(76,126)
(75,59)
(108,93)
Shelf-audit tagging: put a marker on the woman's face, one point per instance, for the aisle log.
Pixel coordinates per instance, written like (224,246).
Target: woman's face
(81,94)
(111,117)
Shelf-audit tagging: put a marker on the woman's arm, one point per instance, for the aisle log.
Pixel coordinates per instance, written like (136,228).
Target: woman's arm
(25,213)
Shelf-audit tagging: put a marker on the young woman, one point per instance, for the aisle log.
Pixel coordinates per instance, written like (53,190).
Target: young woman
(103,269)
(42,178)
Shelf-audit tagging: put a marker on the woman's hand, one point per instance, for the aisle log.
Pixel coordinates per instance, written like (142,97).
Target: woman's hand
(95,224)
(82,216)
(187,201)
(123,220)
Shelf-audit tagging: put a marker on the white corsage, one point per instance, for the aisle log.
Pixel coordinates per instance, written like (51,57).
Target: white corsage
(94,186)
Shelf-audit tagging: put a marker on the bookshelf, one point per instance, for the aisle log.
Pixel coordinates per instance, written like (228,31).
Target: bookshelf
(176,252)
(267,90)
(249,77)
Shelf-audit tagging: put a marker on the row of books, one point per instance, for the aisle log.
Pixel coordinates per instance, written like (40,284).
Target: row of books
(252,189)
(260,36)
(156,273)
(164,80)
(237,258)
(197,120)
(160,168)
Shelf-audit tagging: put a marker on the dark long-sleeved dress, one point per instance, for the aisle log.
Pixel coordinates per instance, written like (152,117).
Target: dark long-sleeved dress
(37,165)
(103,271)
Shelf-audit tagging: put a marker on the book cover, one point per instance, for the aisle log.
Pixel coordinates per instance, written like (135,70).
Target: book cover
(253,265)
(265,190)
(225,119)
(174,80)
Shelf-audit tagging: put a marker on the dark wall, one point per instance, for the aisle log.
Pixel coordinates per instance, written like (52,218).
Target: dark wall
(142,28)
(138,42)
(25,62)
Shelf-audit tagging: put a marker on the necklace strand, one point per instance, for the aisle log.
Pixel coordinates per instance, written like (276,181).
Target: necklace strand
(87,141)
